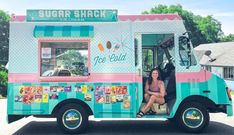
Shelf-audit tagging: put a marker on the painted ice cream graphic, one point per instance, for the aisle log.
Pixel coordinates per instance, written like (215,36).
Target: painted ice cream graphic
(100,94)
(101,48)
(120,43)
(116,47)
(108,45)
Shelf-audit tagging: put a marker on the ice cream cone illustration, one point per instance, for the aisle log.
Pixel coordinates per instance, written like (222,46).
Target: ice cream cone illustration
(100,47)
(116,47)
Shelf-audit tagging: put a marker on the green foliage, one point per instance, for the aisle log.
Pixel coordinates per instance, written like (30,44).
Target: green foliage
(3,82)
(203,29)
(70,59)
(227,38)
(4,16)
(209,27)
(4,37)
(3,78)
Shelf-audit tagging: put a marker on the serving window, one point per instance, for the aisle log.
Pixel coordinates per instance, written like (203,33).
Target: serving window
(64,59)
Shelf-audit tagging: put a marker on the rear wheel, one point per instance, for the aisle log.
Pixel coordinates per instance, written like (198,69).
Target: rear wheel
(72,118)
(192,117)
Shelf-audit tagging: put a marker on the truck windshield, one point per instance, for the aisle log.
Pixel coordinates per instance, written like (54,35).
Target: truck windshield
(187,57)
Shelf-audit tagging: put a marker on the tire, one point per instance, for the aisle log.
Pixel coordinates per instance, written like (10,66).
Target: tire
(76,123)
(191,123)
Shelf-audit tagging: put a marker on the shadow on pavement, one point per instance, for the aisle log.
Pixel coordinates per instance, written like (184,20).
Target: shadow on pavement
(123,127)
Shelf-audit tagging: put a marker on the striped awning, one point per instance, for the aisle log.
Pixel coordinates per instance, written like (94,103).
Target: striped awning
(63,31)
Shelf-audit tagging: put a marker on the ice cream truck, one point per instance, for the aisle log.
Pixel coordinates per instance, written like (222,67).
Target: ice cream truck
(71,64)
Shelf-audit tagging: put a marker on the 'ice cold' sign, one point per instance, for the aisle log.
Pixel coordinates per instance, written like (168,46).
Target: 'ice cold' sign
(110,59)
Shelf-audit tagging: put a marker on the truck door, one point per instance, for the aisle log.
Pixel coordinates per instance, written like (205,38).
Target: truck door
(154,50)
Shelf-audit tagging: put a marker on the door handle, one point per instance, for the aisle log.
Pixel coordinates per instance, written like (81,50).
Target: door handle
(139,71)
(206,91)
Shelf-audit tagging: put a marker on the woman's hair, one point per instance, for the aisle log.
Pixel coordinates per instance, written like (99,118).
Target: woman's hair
(150,79)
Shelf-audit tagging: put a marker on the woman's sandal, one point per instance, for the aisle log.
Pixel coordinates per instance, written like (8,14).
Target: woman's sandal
(140,114)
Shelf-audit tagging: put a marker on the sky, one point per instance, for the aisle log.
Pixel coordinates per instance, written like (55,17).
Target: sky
(222,10)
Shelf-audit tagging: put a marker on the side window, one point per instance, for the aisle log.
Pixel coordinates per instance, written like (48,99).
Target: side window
(147,59)
(187,57)
(64,59)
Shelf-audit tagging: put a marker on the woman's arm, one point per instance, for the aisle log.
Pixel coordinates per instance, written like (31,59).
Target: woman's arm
(162,89)
(147,87)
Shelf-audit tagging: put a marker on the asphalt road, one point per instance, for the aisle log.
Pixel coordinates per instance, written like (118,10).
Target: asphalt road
(219,125)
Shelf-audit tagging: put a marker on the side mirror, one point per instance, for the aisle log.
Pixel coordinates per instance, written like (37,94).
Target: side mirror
(208,53)
(184,40)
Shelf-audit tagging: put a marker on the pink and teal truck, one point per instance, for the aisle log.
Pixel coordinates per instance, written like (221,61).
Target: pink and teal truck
(70,64)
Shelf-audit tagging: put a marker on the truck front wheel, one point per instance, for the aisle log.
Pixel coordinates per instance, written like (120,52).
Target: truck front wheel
(72,118)
(192,117)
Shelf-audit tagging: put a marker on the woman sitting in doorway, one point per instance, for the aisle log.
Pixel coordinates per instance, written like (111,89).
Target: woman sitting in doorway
(154,92)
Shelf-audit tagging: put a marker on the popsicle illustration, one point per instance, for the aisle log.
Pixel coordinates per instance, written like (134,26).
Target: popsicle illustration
(100,47)
(116,47)
(108,45)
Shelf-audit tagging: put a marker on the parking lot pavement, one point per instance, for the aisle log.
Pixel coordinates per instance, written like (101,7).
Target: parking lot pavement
(9,129)
(220,124)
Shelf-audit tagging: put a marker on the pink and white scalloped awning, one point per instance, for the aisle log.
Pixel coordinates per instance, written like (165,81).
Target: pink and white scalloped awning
(151,17)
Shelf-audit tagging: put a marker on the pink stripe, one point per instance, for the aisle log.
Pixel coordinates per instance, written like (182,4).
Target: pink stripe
(18,18)
(201,76)
(64,79)
(94,77)
(149,17)
(15,77)
(117,77)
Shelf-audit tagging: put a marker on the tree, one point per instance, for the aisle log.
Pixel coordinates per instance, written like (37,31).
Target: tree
(203,29)
(4,37)
(209,27)
(227,38)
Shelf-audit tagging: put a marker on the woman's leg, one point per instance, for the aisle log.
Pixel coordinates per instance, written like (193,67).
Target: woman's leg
(149,104)
(159,100)
(147,98)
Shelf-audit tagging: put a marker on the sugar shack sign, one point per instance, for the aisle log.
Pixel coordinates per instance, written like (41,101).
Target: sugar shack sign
(72,15)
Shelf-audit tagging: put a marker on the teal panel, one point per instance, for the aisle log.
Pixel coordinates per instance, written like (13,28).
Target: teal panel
(76,31)
(97,15)
(84,31)
(58,31)
(154,39)
(10,99)
(100,110)
(27,109)
(148,39)
(49,31)
(45,108)
(66,31)
(229,110)
(63,31)
(215,85)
